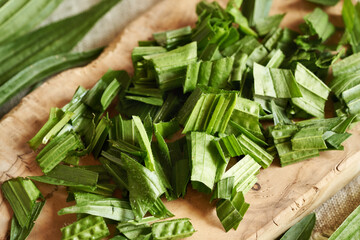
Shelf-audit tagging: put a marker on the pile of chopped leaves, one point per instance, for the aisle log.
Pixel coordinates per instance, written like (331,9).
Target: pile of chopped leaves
(194,112)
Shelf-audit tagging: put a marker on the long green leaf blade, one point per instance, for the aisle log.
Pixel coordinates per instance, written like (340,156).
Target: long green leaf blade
(349,229)
(302,229)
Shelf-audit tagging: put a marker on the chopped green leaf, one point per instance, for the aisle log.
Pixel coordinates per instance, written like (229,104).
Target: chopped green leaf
(111,208)
(172,229)
(22,195)
(90,227)
(57,150)
(231,212)
(69,176)
(276,83)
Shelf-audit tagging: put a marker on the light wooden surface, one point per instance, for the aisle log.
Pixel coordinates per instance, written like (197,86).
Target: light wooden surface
(283,195)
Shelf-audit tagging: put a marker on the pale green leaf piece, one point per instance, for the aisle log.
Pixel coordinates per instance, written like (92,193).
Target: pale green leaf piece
(267,24)
(144,186)
(351,17)
(275,83)
(211,113)
(260,155)
(344,82)
(70,176)
(256,10)
(246,115)
(349,229)
(223,189)
(111,208)
(244,172)
(318,23)
(314,92)
(191,77)
(348,65)
(289,156)
(132,230)
(172,229)
(302,229)
(277,58)
(90,227)
(228,146)
(231,212)
(205,161)
(145,144)
(308,139)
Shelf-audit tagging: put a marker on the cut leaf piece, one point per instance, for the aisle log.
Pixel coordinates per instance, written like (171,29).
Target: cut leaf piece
(144,186)
(111,208)
(69,176)
(55,116)
(57,150)
(22,195)
(170,66)
(348,65)
(244,172)
(90,227)
(21,233)
(318,23)
(246,115)
(223,189)
(144,143)
(267,24)
(172,229)
(173,38)
(228,146)
(255,151)
(133,230)
(276,83)
(211,113)
(256,10)
(314,92)
(205,161)
(351,17)
(231,212)
(289,156)
(308,139)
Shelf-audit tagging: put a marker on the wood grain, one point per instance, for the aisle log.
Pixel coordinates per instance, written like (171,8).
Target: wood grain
(281,197)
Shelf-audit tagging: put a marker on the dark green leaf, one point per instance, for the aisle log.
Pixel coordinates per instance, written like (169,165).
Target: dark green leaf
(302,229)
(57,150)
(22,195)
(324,2)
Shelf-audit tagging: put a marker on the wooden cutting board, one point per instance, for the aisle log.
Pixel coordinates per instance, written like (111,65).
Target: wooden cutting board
(280,198)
